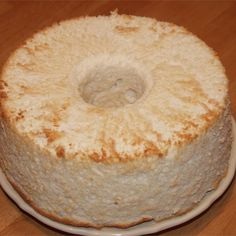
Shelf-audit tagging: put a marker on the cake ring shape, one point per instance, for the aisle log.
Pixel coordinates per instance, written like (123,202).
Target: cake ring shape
(114,120)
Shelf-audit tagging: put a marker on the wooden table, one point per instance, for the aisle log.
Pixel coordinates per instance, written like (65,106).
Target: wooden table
(214,22)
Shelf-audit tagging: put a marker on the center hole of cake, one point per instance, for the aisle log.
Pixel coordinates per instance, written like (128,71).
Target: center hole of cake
(112,86)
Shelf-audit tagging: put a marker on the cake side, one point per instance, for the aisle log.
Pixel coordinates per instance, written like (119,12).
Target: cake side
(119,194)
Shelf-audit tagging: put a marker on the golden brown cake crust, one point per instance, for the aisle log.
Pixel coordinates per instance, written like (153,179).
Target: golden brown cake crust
(57,142)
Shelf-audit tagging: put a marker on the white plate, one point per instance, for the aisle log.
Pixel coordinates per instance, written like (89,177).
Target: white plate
(144,228)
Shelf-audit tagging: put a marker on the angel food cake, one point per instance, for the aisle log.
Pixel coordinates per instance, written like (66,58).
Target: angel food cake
(114,120)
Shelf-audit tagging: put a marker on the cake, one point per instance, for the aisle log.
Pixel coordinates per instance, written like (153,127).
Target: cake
(114,120)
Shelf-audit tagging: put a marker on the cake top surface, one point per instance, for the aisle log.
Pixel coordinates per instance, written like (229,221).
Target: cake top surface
(112,88)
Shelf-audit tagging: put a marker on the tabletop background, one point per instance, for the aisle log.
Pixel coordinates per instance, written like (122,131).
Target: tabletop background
(214,22)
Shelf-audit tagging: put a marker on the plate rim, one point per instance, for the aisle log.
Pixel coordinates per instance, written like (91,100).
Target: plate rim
(141,229)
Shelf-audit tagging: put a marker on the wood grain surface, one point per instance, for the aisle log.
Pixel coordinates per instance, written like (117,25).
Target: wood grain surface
(214,22)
